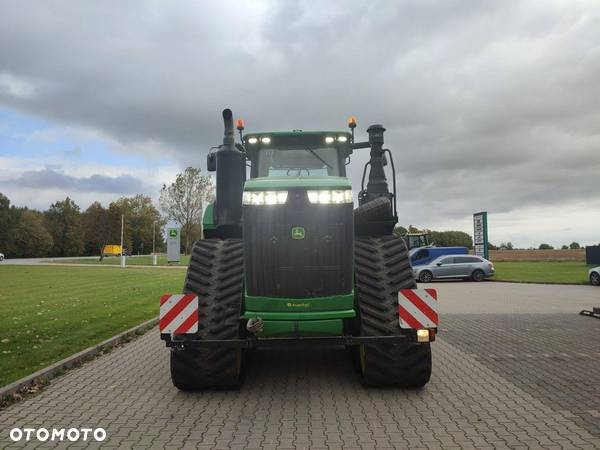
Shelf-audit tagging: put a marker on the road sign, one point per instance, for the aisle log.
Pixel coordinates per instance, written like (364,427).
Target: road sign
(173,244)
(480,234)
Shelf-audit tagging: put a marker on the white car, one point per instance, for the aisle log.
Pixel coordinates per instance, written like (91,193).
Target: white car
(1,256)
(594,276)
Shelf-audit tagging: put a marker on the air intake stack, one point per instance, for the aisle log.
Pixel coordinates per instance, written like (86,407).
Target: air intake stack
(376,214)
(377,185)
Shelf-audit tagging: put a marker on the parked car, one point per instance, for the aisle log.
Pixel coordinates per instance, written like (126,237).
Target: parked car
(1,256)
(471,267)
(425,255)
(594,276)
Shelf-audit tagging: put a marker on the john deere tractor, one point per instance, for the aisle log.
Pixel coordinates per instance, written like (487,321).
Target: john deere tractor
(286,259)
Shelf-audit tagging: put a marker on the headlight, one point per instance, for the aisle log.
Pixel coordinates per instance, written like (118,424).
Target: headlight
(328,197)
(342,138)
(264,197)
(252,140)
(265,140)
(329,139)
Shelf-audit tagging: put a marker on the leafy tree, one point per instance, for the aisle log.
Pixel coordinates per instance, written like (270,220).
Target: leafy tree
(9,220)
(545,247)
(6,223)
(574,246)
(63,221)
(400,230)
(183,201)
(452,239)
(98,229)
(492,246)
(565,247)
(140,215)
(30,236)
(195,233)
(506,246)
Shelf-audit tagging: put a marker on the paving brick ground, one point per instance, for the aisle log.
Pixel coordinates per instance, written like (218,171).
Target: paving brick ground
(479,395)
(555,358)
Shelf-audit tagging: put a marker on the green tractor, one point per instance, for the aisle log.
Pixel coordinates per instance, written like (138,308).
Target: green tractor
(286,259)
(417,240)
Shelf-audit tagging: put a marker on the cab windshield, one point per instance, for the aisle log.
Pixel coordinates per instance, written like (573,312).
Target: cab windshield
(299,162)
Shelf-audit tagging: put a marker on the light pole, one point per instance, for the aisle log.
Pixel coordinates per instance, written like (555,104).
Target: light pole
(122,249)
(154,243)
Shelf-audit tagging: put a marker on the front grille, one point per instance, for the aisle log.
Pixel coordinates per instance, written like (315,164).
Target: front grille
(319,265)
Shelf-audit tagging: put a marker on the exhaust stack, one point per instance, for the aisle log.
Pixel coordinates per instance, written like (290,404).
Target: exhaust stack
(231,175)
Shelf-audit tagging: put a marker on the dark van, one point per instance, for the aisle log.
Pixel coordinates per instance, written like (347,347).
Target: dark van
(419,256)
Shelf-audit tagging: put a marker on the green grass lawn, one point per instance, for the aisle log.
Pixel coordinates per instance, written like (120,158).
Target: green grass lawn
(145,260)
(542,271)
(49,313)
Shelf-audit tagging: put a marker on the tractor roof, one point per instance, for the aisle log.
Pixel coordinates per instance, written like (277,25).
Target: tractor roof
(296,139)
(294,132)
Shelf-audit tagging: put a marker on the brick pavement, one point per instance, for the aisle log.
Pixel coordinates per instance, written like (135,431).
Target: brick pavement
(307,398)
(298,398)
(553,357)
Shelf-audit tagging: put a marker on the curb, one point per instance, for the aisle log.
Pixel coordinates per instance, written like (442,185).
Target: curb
(50,371)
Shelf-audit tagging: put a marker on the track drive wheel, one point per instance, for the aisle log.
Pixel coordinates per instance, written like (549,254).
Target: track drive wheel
(382,268)
(215,275)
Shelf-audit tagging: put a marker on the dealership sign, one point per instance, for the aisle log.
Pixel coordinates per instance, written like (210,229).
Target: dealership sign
(173,243)
(480,234)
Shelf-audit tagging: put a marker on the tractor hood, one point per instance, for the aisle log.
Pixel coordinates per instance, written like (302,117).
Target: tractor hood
(278,183)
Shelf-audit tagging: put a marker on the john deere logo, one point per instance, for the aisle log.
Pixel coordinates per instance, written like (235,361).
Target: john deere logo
(298,233)
(173,232)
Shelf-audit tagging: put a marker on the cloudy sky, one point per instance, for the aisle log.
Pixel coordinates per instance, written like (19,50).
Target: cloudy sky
(489,105)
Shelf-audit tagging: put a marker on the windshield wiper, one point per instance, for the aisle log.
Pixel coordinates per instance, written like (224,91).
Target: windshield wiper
(318,157)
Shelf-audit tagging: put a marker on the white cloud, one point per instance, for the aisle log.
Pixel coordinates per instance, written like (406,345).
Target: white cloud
(77,181)
(488,105)
(16,87)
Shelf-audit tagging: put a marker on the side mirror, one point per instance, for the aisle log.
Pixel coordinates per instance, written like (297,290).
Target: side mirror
(439,264)
(211,162)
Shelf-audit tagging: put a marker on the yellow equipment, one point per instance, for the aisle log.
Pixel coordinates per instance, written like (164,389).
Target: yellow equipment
(112,250)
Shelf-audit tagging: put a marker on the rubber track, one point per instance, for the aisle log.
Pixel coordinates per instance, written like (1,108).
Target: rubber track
(382,268)
(215,275)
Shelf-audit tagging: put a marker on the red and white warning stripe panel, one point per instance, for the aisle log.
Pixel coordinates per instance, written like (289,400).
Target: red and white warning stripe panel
(418,308)
(178,314)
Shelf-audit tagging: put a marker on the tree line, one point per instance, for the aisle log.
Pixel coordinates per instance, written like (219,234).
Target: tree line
(509,246)
(65,230)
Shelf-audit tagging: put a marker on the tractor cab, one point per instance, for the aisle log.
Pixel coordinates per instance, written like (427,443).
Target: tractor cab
(298,154)
(298,226)
(417,240)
